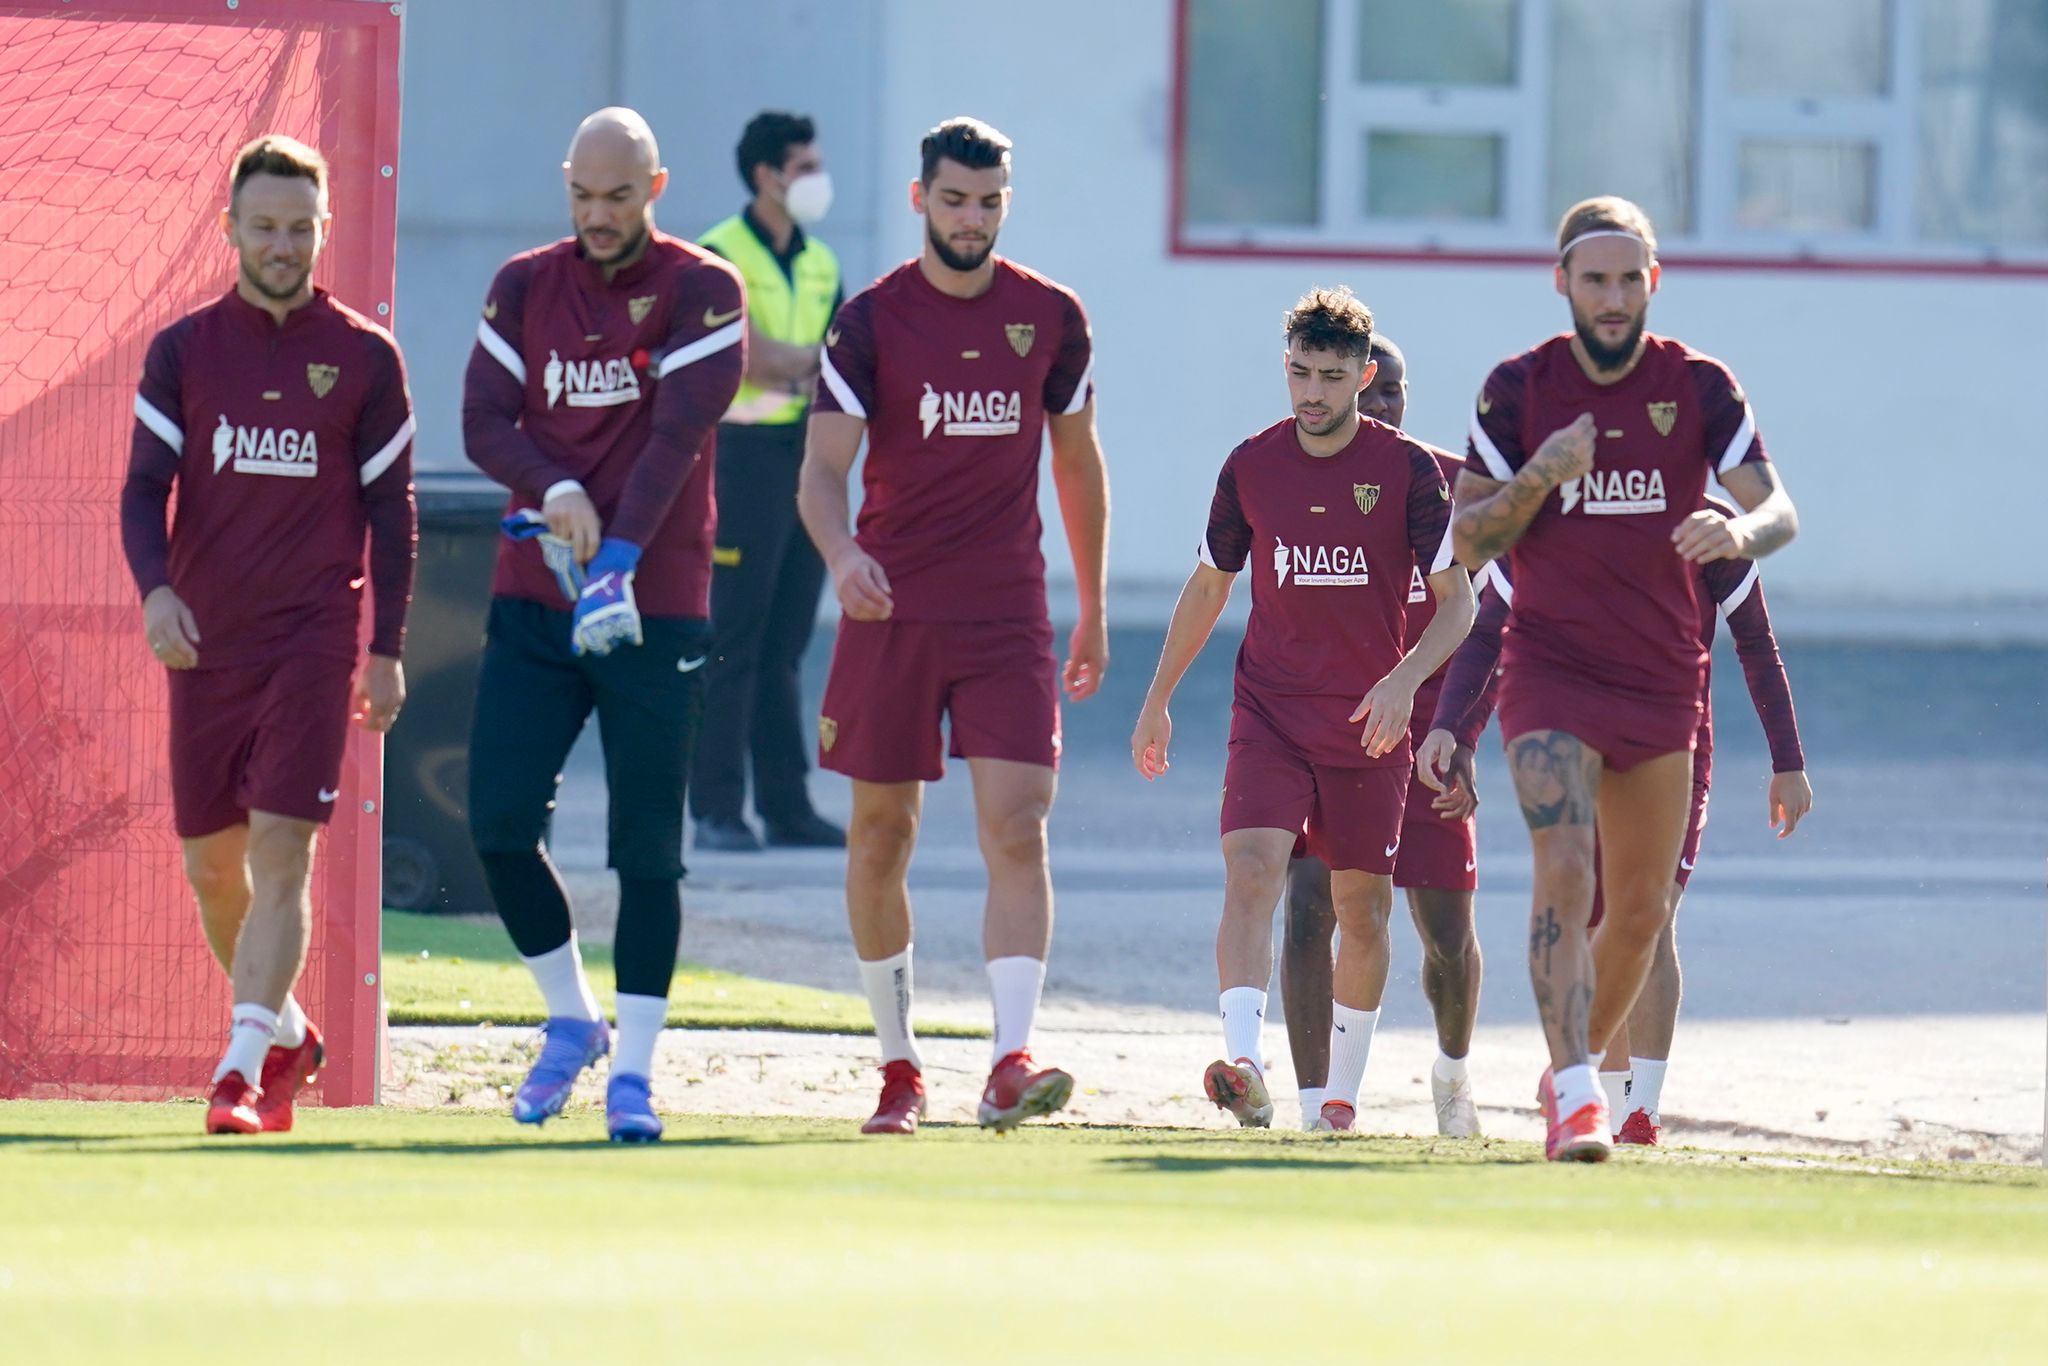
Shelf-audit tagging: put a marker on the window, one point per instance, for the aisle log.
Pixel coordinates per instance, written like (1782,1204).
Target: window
(1892,133)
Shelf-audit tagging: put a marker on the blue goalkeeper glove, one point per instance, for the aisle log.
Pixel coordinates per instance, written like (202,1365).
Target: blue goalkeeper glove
(560,557)
(606,614)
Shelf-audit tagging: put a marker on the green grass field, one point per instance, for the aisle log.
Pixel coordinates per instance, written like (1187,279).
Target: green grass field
(439,970)
(395,1236)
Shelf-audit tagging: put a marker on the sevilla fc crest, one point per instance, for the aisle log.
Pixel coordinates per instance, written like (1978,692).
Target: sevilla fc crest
(1368,496)
(828,731)
(638,309)
(1664,416)
(322,378)
(1021,336)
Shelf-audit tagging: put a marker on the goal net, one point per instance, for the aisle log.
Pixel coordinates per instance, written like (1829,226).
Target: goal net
(117,122)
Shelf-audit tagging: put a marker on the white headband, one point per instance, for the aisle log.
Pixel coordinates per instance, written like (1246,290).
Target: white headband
(1566,249)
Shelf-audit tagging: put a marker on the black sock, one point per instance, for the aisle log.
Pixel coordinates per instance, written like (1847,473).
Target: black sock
(531,899)
(650,923)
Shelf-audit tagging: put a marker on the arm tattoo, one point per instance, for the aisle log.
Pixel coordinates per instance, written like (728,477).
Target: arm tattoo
(1488,526)
(1550,779)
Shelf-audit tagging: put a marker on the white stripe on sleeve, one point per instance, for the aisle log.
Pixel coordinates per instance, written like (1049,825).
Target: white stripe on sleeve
(502,350)
(1738,445)
(1080,398)
(383,459)
(710,344)
(152,417)
(1499,581)
(1496,465)
(841,390)
(1446,552)
(1741,593)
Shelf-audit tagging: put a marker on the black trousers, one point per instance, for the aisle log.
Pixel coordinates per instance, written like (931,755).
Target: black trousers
(533,696)
(764,604)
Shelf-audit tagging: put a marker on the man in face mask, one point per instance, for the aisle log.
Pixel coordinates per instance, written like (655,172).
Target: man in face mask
(764,594)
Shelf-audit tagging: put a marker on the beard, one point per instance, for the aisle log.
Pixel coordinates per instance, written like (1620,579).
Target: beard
(629,244)
(1603,356)
(952,259)
(1329,426)
(290,291)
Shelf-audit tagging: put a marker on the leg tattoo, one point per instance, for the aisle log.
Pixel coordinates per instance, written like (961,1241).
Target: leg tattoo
(1550,780)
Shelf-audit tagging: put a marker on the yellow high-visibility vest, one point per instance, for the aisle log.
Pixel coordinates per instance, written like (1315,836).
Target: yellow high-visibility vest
(794,308)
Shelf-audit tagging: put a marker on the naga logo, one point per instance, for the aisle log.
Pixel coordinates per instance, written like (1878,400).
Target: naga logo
(265,450)
(972,413)
(1418,587)
(590,383)
(1615,492)
(1320,566)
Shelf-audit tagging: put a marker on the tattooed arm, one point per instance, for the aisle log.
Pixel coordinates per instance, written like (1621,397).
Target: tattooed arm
(1492,515)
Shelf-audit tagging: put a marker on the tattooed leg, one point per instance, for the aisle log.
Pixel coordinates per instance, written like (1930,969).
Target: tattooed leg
(1642,829)
(1557,781)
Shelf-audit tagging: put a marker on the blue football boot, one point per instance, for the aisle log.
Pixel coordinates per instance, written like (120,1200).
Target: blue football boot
(571,1046)
(629,1110)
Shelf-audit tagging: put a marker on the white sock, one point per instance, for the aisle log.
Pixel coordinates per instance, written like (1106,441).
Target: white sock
(1448,1068)
(1244,1016)
(1576,1086)
(641,1020)
(1648,1091)
(1311,1106)
(887,982)
(1015,985)
(249,1038)
(1350,1046)
(1616,1085)
(559,972)
(291,1024)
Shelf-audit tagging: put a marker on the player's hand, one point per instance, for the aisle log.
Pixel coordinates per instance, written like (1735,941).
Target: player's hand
(1385,712)
(607,614)
(863,588)
(1087,659)
(573,517)
(1460,798)
(1433,759)
(1149,740)
(1567,453)
(1791,799)
(1707,535)
(379,693)
(168,626)
(559,555)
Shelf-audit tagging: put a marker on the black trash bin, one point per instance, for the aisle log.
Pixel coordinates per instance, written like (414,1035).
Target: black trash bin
(428,862)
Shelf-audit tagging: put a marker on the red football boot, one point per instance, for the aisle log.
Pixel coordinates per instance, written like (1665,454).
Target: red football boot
(1017,1090)
(1639,1130)
(1581,1136)
(232,1107)
(285,1070)
(902,1104)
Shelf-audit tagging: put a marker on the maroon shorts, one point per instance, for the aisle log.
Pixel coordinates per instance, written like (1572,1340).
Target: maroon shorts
(1624,729)
(1350,817)
(1436,854)
(894,683)
(265,737)
(1695,824)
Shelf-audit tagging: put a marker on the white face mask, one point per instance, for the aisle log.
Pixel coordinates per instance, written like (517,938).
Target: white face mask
(809,197)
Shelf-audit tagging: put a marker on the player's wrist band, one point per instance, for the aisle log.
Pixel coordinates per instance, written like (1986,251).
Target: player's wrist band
(560,487)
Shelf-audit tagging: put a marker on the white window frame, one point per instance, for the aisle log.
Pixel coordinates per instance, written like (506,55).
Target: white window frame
(1519,114)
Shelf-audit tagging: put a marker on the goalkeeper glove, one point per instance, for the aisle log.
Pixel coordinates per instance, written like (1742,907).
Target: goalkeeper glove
(606,614)
(560,557)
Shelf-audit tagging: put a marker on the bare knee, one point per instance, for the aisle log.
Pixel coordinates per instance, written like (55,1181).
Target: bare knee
(1253,878)
(1311,918)
(217,874)
(1015,836)
(1363,903)
(280,849)
(1565,873)
(1443,920)
(879,841)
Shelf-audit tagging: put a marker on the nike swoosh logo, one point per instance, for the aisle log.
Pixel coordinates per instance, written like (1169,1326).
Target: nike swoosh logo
(1392,847)
(490,310)
(714,319)
(329,794)
(832,337)
(1686,864)
(1342,1030)
(685,666)
(1471,866)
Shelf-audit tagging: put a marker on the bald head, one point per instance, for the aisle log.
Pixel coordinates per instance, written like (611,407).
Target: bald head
(614,175)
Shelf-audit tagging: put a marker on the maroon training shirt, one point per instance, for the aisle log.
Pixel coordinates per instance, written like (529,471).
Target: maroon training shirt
(616,385)
(1600,597)
(1333,542)
(955,393)
(1421,612)
(285,442)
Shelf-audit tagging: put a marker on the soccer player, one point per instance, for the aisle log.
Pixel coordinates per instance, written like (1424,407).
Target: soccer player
(1632,1074)
(601,365)
(1437,867)
(1588,462)
(1335,512)
(253,598)
(764,589)
(953,364)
